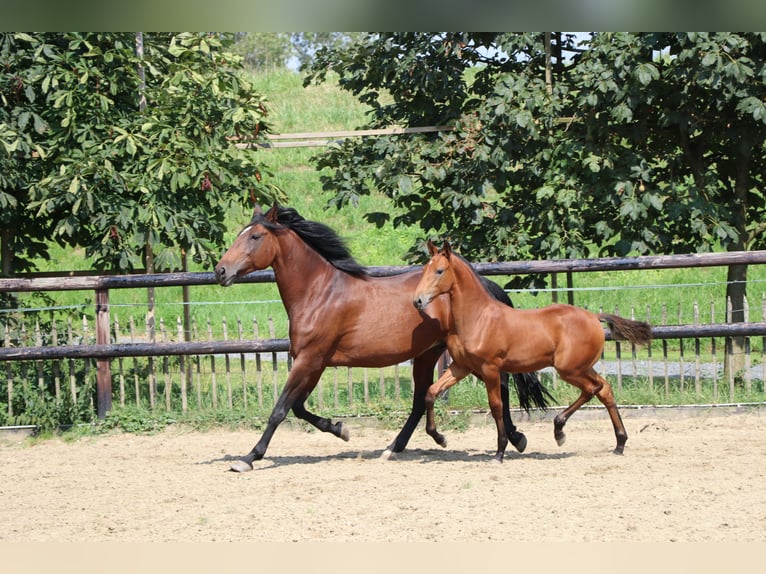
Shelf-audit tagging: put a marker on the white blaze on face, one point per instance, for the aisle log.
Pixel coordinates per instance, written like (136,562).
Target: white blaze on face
(245,230)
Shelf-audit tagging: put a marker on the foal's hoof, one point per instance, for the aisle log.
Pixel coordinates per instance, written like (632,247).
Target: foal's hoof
(345,434)
(240,466)
(519,441)
(561,438)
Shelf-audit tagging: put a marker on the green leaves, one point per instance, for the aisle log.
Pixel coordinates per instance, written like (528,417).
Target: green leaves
(91,156)
(641,143)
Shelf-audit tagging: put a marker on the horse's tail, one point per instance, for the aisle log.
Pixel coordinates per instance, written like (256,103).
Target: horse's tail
(529,389)
(637,332)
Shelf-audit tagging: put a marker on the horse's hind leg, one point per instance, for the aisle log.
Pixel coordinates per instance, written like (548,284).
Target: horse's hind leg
(518,440)
(588,385)
(325,425)
(606,396)
(591,384)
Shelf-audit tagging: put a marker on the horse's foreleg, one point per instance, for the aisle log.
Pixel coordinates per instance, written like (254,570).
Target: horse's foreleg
(278,414)
(422,376)
(299,384)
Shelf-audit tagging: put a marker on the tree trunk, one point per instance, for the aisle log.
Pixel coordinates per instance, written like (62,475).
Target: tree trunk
(736,288)
(6,251)
(736,292)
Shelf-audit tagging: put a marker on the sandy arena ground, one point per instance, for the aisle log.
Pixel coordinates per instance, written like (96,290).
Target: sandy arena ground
(693,477)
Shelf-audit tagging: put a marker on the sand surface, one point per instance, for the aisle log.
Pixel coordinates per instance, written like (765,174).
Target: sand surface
(695,478)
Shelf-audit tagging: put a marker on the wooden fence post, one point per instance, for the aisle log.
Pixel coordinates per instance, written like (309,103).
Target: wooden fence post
(103,365)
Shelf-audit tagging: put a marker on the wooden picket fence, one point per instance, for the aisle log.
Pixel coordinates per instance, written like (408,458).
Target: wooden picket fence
(103,357)
(253,380)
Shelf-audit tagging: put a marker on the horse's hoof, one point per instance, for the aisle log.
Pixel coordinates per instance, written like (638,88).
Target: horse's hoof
(495,460)
(345,434)
(561,439)
(442,443)
(519,441)
(618,450)
(387,454)
(240,466)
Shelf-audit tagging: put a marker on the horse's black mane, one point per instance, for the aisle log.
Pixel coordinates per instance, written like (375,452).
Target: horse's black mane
(490,287)
(318,236)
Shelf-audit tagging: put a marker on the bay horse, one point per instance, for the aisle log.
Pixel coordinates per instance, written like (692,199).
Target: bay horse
(339,315)
(486,338)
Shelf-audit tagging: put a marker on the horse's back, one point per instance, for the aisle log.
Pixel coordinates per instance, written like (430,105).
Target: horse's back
(379,325)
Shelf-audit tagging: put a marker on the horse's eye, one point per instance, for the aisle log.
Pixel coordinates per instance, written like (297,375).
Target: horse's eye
(255,236)
(440,271)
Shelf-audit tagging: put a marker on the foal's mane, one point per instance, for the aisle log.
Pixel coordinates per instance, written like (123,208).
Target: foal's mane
(318,236)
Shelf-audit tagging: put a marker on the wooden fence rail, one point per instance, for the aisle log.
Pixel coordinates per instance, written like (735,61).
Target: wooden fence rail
(105,351)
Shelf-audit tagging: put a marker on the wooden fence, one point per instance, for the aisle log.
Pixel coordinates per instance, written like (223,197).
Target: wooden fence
(137,364)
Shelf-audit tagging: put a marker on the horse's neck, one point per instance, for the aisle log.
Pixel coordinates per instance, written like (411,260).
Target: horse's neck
(297,270)
(468,297)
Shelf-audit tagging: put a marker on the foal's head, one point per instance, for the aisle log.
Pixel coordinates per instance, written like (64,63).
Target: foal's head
(254,248)
(438,276)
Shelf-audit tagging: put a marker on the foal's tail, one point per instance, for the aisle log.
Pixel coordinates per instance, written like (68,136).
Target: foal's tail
(637,332)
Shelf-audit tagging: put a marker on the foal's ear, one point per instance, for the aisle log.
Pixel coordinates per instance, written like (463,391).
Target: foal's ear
(446,248)
(272,214)
(431,248)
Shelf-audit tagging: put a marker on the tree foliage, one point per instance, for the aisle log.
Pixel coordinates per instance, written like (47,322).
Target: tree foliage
(266,50)
(641,143)
(87,164)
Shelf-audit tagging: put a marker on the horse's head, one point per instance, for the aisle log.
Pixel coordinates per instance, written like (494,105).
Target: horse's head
(438,276)
(254,248)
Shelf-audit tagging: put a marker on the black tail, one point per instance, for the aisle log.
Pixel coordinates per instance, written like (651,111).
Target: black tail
(530,390)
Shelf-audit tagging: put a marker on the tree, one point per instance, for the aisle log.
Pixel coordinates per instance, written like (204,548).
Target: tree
(264,50)
(641,143)
(127,182)
(22,128)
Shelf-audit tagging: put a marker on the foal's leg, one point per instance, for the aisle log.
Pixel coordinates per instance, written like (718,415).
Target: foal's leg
(588,387)
(606,396)
(492,382)
(591,384)
(450,377)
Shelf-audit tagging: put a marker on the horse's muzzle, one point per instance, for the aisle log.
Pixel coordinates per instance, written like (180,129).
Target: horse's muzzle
(421,301)
(222,277)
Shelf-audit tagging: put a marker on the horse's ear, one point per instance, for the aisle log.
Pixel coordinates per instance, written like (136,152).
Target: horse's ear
(257,210)
(431,248)
(272,214)
(446,248)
